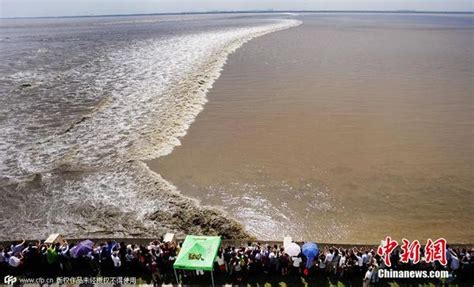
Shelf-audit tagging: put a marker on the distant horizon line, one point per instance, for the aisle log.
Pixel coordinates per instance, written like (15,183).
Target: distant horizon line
(246,11)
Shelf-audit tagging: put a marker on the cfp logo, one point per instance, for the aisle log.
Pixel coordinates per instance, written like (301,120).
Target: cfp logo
(9,280)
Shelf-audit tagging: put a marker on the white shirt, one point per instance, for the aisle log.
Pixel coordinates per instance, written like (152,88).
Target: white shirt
(342,261)
(297,261)
(116,260)
(368,275)
(64,250)
(360,262)
(14,261)
(220,260)
(365,258)
(322,265)
(454,262)
(329,257)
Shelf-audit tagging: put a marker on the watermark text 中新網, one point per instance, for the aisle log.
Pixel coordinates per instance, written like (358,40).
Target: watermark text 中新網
(434,251)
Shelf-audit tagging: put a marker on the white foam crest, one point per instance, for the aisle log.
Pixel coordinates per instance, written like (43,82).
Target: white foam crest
(157,88)
(267,217)
(109,202)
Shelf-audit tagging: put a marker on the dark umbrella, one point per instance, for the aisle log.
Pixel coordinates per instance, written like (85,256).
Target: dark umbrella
(82,248)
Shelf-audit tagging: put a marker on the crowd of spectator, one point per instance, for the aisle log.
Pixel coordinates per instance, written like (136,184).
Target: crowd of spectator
(351,266)
(153,262)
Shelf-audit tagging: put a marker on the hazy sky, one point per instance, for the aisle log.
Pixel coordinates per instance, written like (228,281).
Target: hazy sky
(33,8)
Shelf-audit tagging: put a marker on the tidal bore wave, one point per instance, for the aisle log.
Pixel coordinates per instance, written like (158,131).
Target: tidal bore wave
(82,173)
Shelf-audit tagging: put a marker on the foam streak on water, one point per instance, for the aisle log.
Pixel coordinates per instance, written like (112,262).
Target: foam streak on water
(80,172)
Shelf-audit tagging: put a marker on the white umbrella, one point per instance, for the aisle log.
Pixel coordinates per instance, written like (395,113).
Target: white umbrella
(292,249)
